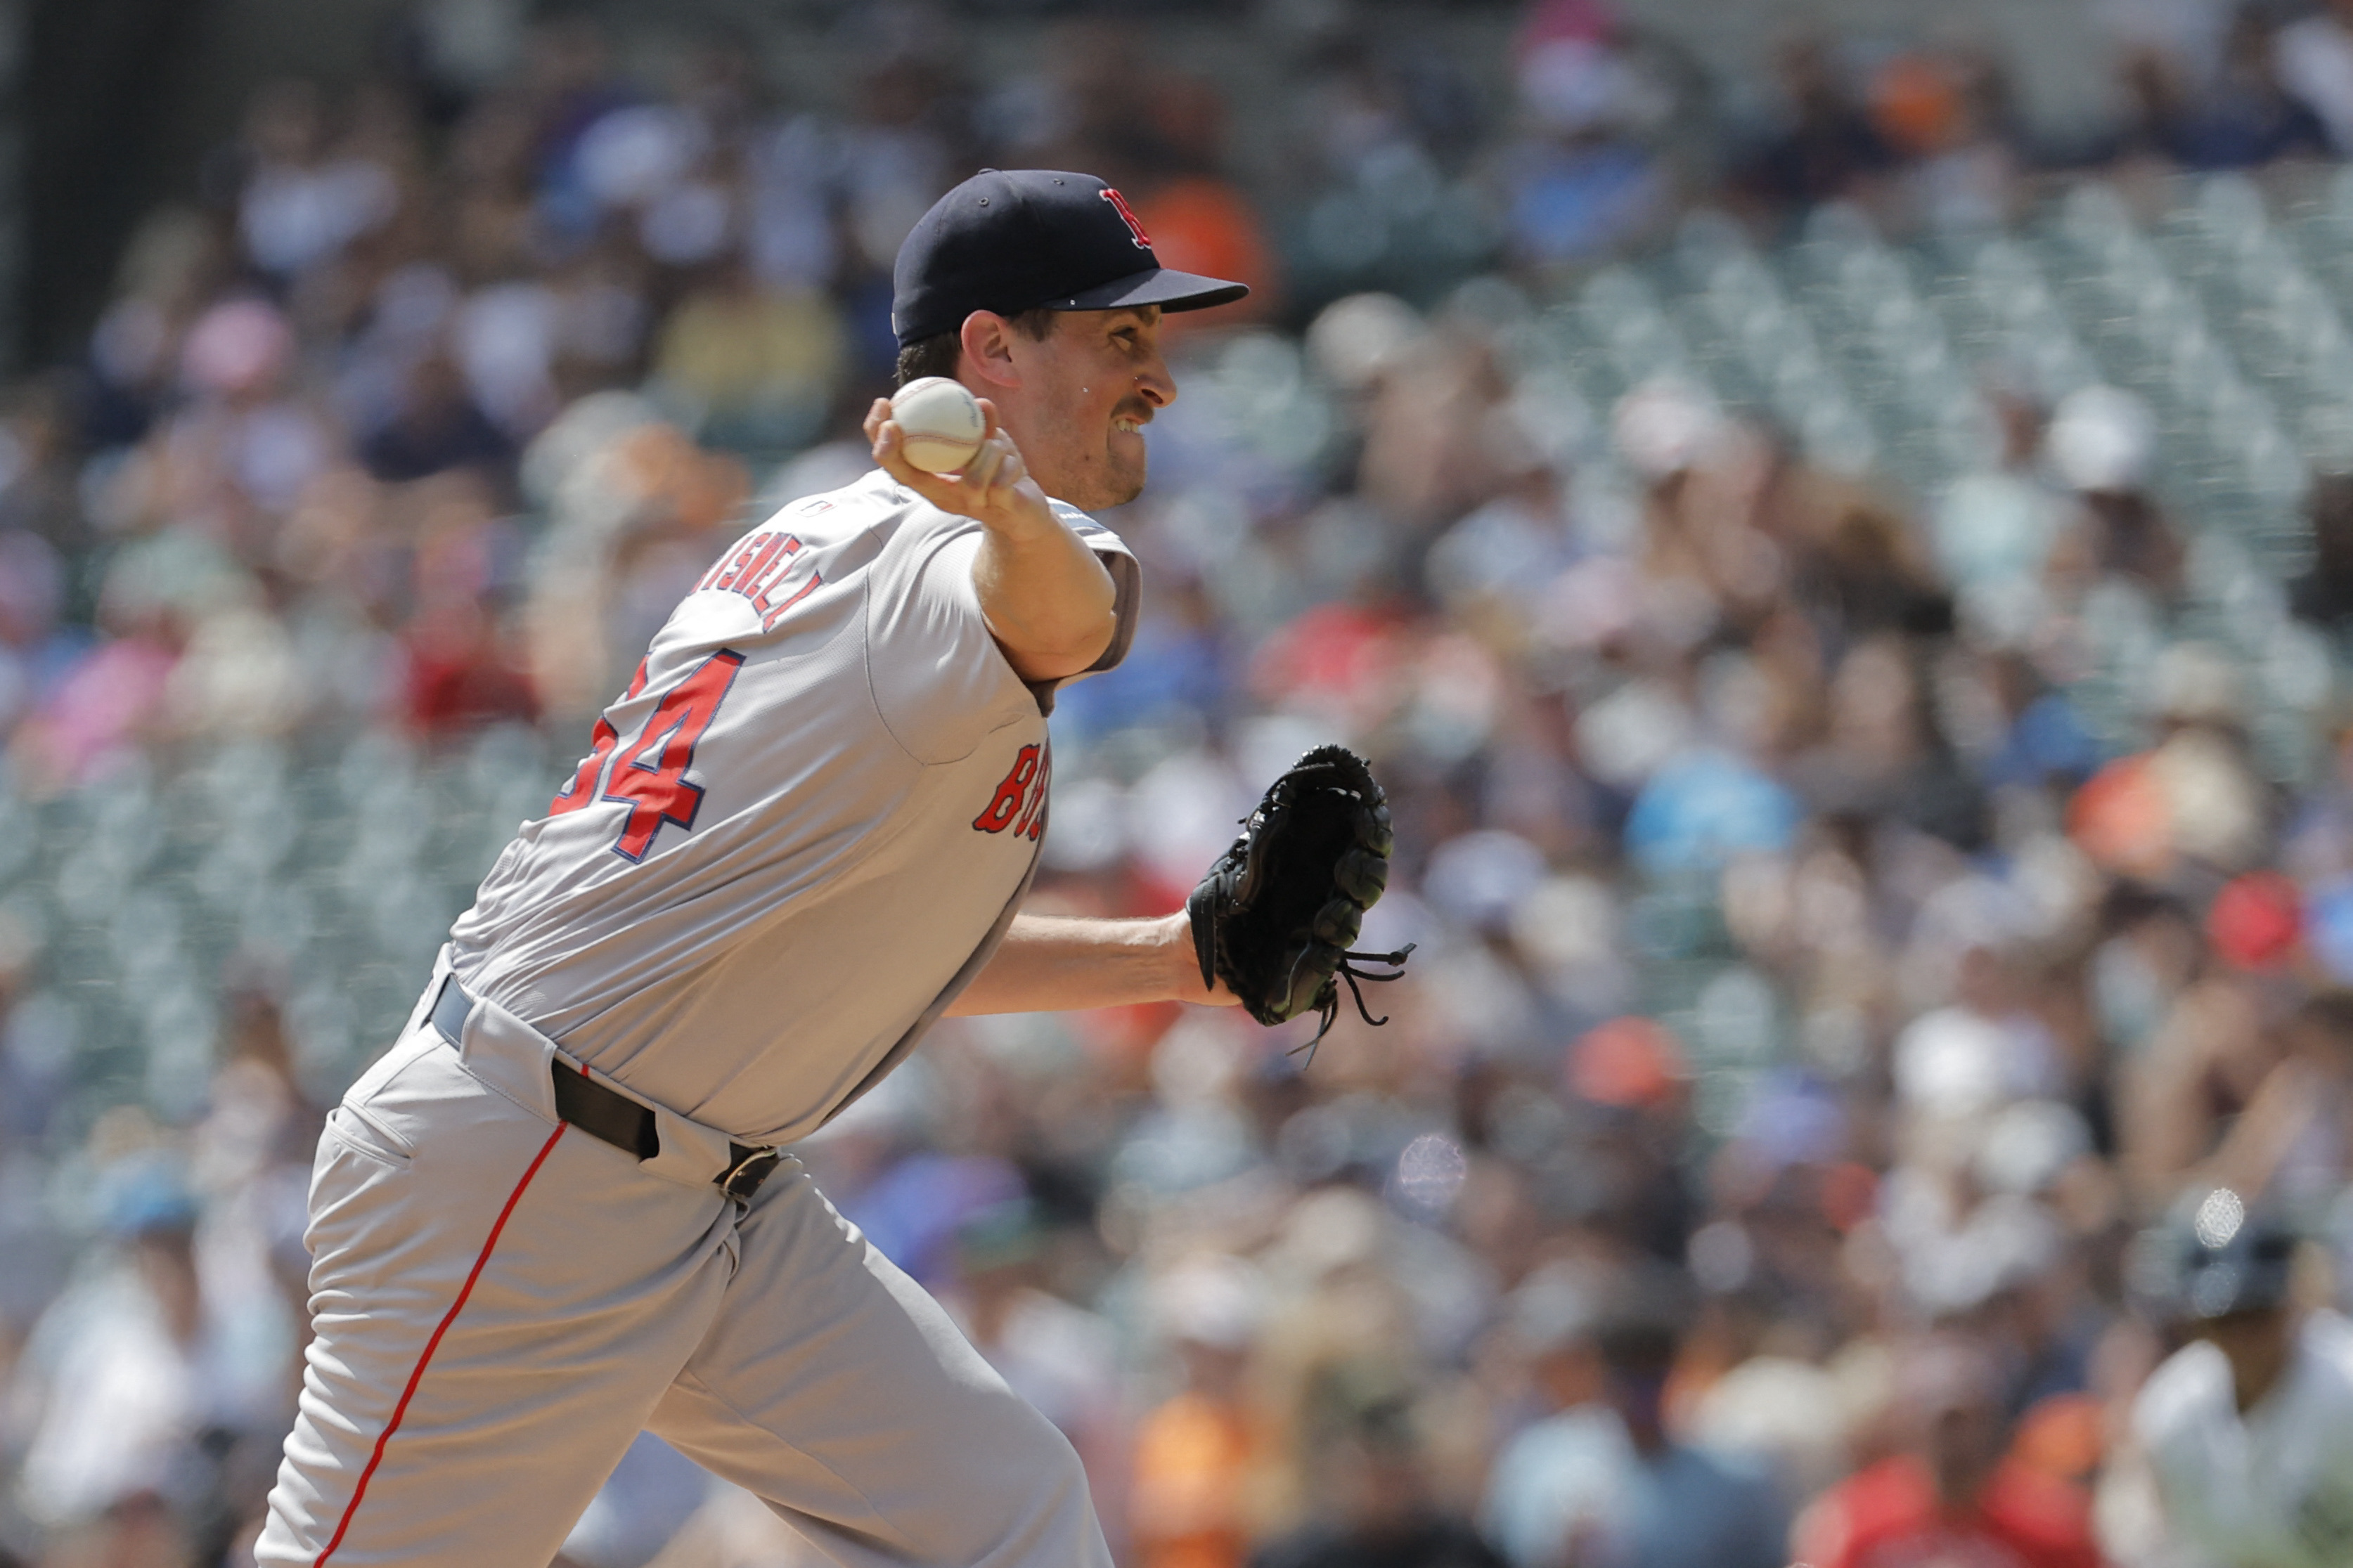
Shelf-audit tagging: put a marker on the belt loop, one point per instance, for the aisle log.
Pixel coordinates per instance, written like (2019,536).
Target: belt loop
(690,1152)
(449,1011)
(503,1050)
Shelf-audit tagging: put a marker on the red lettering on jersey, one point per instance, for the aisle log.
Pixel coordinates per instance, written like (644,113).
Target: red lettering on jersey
(755,569)
(582,789)
(746,560)
(770,618)
(652,782)
(1033,817)
(1127,215)
(767,571)
(1012,792)
(727,566)
(741,582)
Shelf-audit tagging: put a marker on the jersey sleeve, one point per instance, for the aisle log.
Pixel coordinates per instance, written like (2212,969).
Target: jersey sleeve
(939,680)
(1126,579)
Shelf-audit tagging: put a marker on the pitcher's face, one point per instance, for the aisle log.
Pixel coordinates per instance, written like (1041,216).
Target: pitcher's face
(1087,390)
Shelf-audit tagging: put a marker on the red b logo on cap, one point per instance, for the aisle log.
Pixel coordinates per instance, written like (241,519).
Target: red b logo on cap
(1127,216)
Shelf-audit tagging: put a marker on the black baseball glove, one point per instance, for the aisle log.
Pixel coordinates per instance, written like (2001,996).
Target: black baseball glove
(1275,915)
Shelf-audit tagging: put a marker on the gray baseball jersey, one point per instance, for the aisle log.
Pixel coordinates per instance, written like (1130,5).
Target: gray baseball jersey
(800,833)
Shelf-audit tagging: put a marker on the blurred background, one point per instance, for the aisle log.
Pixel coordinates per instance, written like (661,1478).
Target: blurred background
(1834,521)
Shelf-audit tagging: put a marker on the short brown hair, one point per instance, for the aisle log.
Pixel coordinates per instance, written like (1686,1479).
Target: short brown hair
(940,354)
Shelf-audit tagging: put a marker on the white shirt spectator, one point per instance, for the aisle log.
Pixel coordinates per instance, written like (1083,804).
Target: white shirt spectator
(2272,1487)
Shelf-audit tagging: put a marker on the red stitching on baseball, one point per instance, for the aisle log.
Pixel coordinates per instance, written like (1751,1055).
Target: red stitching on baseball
(434,1343)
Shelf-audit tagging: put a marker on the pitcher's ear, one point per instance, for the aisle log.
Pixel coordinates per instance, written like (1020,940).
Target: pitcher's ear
(987,341)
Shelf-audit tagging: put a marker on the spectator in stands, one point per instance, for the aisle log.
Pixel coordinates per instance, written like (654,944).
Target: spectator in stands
(2324,595)
(750,365)
(2246,1428)
(1946,116)
(1194,1451)
(140,1378)
(1199,220)
(2244,115)
(1583,179)
(437,427)
(1372,1499)
(2313,58)
(465,667)
(2206,1056)
(1826,148)
(1605,1482)
(2102,442)
(302,204)
(1948,1495)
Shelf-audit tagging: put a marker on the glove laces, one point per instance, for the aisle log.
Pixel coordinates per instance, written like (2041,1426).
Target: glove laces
(1328,1010)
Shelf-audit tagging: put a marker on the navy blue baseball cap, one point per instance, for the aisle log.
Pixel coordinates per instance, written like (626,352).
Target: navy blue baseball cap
(1010,240)
(2214,1255)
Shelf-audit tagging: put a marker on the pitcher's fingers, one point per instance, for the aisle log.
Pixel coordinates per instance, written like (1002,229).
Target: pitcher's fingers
(891,451)
(943,493)
(1009,474)
(875,416)
(981,471)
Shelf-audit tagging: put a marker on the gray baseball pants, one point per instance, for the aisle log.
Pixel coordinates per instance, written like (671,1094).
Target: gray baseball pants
(501,1303)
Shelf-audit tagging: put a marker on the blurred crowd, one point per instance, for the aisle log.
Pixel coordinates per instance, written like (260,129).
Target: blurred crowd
(1822,975)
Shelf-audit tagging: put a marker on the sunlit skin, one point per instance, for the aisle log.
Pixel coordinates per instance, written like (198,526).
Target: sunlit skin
(1075,403)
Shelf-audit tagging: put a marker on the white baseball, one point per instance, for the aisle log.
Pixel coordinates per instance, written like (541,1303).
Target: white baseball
(942,422)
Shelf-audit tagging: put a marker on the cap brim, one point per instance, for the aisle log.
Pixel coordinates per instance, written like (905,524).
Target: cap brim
(1169,290)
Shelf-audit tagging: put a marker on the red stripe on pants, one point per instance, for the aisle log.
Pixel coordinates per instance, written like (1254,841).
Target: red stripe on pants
(434,1343)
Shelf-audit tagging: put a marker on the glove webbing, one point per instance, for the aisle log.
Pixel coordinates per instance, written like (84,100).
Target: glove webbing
(1330,1009)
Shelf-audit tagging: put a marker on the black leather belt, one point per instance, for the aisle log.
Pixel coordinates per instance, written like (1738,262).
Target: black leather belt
(615,1118)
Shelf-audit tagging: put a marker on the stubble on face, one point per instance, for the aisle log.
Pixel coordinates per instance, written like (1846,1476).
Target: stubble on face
(1089,381)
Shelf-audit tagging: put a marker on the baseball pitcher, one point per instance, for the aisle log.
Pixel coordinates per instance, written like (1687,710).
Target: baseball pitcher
(561,1208)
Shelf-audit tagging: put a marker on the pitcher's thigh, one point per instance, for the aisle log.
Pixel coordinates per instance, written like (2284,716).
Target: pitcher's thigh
(497,1305)
(834,1388)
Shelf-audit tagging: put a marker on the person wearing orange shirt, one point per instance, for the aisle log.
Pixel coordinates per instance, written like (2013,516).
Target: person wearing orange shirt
(1194,1452)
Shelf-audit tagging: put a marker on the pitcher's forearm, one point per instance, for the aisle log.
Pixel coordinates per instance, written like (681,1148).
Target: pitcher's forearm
(1053,964)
